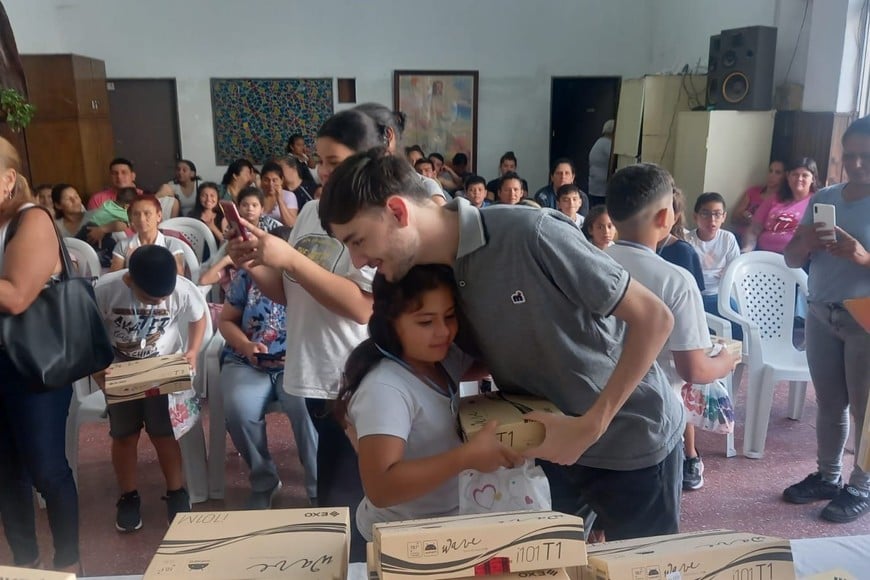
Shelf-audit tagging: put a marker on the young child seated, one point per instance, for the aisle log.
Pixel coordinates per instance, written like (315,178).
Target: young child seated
(569,201)
(640,199)
(109,218)
(142,311)
(475,191)
(400,398)
(598,228)
(716,248)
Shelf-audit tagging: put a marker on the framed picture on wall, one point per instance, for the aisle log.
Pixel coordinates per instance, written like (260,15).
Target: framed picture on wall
(441,110)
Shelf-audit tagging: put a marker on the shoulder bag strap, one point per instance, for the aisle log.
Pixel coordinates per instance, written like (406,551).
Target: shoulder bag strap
(66,262)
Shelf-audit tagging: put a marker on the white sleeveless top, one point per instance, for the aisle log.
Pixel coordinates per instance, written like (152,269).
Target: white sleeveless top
(5,228)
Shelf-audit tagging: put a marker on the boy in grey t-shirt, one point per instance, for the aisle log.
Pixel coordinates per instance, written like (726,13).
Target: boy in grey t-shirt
(553,317)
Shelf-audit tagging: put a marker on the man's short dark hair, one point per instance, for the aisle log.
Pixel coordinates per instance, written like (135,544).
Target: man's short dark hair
(473,179)
(423,161)
(366,180)
(709,197)
(568,189)
(507,176)
(121,161)
(633,189)
(460,159)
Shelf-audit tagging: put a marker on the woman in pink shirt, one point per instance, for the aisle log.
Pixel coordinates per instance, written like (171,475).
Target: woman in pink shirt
(776,220)
(741,215)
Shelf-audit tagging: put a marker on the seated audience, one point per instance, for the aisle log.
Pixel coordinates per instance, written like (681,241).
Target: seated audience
(752,198)
(42,193)
(716,248)
(292,170)
(475,191)
(142,311)
(510,191)
(837,346)
(251,203)
(570,203)
(414,153)
(121,175)
(208,211)
(425,168)
(562,173)
(280,203)
(254,326)
(640,199)
(145,215)
(184,189)
(444,174)
(506,164)
(599,162)
(675,249)
(298,150)
(459,166)
(69,210)
(103,224)
(777,219)
(400,397)
(239,175)
(599,228)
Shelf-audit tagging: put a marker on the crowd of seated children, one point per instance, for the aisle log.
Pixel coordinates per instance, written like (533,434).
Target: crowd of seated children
(752,198)
(716,248)
(776,220)
(599,228)
(475,191)
(561,174)
(252,377)
(145,215)
(675,249)
(640,199)
(400,399)
(142,311)
(278,203)
(570,203)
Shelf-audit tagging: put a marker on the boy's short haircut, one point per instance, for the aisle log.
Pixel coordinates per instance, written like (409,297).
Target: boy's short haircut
(423,161)
(709,197)
(126,194)
(366,180)
(508,176)
(635,188)
(473,180)
(153,270)
(568,189)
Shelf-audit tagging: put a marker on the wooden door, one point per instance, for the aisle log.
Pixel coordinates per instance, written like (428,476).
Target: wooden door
(144,114)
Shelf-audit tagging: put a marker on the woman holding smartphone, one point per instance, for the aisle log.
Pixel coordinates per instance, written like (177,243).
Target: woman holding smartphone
(837,346)
(251,378)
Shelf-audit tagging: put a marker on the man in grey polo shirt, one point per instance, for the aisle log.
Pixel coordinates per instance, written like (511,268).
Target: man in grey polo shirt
(552,316)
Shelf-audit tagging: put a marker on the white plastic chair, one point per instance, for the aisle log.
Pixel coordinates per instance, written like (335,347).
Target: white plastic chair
(195,232)
(89,405)
(765,291)
(722,328)
(191,262)
(85,256)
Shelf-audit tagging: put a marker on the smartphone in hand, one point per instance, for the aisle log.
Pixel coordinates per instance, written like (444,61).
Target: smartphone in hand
(265,356)
(826,214)
(231,213)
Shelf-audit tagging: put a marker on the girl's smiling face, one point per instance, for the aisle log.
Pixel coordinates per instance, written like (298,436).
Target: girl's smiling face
(427,332)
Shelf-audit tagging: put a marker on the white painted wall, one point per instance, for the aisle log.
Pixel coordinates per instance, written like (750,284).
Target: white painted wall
(517,46)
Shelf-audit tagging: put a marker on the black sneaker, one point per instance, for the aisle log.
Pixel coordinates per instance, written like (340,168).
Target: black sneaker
(812,488)
(693,473)
(849,505)
(129,518)
(177,501)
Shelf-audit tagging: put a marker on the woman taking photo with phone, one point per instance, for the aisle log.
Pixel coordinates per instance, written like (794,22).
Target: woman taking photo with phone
(837,346)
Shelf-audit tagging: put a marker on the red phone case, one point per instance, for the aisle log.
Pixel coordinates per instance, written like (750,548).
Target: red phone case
(231,212)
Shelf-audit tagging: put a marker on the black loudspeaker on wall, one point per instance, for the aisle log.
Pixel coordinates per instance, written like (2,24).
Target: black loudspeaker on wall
(740,69)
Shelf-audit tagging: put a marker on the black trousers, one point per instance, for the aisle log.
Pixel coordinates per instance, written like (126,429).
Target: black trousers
(630,504)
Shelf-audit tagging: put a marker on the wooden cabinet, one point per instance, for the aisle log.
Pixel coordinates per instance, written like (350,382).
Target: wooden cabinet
(70,139)
(721,151)
(799,134)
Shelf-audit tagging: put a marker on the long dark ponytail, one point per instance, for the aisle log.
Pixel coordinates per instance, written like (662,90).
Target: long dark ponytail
(391,300)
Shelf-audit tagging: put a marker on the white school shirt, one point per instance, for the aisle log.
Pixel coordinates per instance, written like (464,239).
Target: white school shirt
(125,248)
(715,255)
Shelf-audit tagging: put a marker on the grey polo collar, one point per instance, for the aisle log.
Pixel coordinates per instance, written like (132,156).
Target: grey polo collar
(472,235)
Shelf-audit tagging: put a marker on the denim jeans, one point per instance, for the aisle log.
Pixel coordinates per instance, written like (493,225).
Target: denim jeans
(838,353)
(338,481)
(247,392)
(630,504)
(33,453)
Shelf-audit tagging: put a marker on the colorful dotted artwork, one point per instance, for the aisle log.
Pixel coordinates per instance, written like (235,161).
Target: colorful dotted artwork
(253,118)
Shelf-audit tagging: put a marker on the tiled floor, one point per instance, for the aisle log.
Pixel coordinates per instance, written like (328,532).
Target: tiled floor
(740,493)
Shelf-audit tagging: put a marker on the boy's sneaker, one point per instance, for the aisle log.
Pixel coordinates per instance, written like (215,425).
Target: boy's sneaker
(693,473)
(812,488)
(177,501)
(849,505)
(129,518)
(262,500)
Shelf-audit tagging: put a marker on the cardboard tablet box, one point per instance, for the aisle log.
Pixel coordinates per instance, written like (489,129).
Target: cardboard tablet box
(10,573)
(711,555)
(237,545)
(476,545)
(507,410)
(734,347)
(147,377)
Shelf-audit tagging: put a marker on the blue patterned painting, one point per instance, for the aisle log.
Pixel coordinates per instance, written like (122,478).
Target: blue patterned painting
(253,118)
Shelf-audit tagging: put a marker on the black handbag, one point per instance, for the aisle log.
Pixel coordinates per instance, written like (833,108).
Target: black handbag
(60,338)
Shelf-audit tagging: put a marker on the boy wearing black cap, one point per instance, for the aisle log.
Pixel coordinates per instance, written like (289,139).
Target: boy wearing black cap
(142,311)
